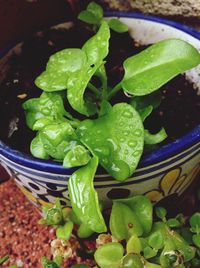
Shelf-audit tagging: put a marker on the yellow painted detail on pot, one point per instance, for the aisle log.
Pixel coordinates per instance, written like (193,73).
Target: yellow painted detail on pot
(44,203)
(169,180)
(173,182)
(28,194)
(154,195)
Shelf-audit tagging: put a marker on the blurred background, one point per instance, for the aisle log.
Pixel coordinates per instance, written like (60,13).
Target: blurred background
(19,18)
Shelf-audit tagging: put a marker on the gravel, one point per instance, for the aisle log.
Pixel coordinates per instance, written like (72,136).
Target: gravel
(20,236)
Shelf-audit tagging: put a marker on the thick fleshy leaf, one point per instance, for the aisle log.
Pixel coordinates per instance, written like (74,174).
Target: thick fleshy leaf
(195,222)
(156,240)
(88,17)
(64,232)
(84,231)
(143,208)
(58,139)
(116,138)
(106,107)
(77,84)
(96,9)
(59,68)
(48,105)
(145,112)
(109,255)
(37,148)
(117,26)
(156,65)
(84,198)
(154,138)
(141,102)
(78,156)
(96,48)
(92,15)
(124,222)
(132,260)
(134,245)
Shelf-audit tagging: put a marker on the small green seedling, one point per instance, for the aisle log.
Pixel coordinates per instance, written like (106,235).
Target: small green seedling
(94,15)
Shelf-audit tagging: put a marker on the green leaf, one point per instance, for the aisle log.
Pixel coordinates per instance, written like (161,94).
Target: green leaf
(156,65)
(109,255)
(195,262)
(58,260)
(145,104)
(143,208)
(151,265)
(48,105)
(149,252)
(134,245)
(37,148)
(195,223)
(64,232)
(96,9)
(88,17)
(132,260)
(42,122)
(124,222)
(84,231)
(154,138)
(84,199)
(116,138)
(105,108)
(77,84)
(186,250)
(145,112)
(54,216)
(74,218)
(161,213)
(4,259)
(77,156)
(47,263)
(96,48)
(141,102)
(156,240)
(196,240)
(59,68)
(58,139)
(117,26)
(173,223)
(168,255)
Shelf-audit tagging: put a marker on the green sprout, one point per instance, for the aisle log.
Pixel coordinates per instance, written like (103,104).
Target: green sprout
(94,15)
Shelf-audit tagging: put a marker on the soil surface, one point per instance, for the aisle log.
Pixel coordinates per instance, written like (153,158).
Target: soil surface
(178,113)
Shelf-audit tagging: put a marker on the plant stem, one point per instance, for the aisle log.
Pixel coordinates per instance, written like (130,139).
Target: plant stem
(114,90)
(104,87)
(93,89)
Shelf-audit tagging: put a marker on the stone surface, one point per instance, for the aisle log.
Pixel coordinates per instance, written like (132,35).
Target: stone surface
(186,8)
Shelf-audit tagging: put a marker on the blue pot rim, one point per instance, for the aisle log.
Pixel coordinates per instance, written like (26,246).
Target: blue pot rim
(154,157)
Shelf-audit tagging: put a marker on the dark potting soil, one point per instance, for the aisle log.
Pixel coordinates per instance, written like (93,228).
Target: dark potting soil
(178,113)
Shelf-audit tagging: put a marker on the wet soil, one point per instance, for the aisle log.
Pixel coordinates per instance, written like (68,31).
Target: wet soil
(178,113)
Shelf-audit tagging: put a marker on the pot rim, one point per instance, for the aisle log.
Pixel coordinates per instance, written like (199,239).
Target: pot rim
(154,157)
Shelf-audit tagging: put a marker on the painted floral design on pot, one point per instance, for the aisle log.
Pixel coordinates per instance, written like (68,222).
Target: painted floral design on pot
(166,171)
(172,182)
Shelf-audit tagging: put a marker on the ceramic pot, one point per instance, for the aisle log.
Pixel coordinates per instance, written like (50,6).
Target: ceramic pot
(165,172)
